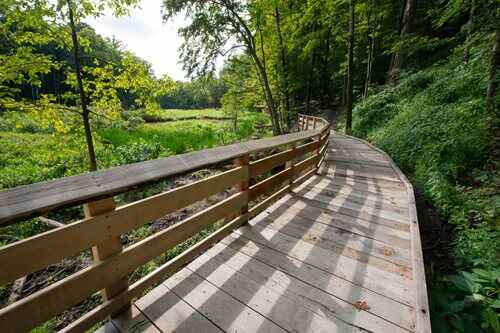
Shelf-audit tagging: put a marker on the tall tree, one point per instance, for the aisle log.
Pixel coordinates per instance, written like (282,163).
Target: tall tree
(492,104)
(76,11)
(405,29)
(350,60)
(370,34)
(213,24)
(283,68)
(83,97)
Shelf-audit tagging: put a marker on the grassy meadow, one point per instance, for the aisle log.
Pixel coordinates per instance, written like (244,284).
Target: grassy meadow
(173,114)
(30,154)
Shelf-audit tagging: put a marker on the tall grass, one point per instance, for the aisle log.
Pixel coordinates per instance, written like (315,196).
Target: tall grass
(177,137)
(27,157)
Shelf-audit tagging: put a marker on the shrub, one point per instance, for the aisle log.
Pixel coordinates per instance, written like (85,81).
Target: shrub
(138,151)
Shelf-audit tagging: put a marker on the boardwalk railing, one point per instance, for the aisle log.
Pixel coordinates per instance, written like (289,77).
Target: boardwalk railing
(259,175)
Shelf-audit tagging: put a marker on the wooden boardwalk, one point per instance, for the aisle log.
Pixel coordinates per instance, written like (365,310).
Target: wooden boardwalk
(340,253)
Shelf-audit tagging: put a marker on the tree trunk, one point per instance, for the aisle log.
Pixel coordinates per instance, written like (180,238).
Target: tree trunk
(284,68)
(344,88)
(262,72)
(369,65)
(350,56)
(470,30)
(397,58)
(370,49)
(309,86)
(325,73)
(83,99)
(492,106)
(268,95)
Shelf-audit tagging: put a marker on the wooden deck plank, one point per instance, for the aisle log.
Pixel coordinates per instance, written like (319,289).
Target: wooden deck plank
(358,160)
(343,179)
(134,320)
(299,292)
(226,312)
(379,305)
(366,213)
(317,185)
(277,307)
(315,232)
(358,272)
(351,186)
(390,236)
(328,196)
(310,237)
(358,172)
(170,313)
(364,165)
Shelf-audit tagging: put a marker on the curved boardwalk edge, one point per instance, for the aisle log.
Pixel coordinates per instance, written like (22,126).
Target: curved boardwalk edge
(306,263)
(422,313)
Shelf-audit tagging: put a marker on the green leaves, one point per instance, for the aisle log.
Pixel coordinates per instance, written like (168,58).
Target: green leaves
(464,283)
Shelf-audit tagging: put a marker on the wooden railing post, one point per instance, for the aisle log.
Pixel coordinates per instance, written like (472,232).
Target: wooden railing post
(243,161)
(290,164)
(108,248)
(318,151)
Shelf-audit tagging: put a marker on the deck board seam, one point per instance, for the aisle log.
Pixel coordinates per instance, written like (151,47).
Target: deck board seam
(317,204)
(340,246)
(233,297)
(421,300)
(322,269)
(333,314)
(346,230)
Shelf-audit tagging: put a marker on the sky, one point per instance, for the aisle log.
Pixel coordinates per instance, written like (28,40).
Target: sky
(145,34)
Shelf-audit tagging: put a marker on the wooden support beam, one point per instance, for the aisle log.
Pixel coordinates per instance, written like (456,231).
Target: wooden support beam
(51,222)
(243,162)
(289,165)
(107,248)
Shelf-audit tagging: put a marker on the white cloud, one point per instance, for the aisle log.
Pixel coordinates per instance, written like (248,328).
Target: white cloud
(145,34)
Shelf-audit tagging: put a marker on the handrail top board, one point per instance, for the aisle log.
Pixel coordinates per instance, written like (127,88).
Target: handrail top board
(35,199)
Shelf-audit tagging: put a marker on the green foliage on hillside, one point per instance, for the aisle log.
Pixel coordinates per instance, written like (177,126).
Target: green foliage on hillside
(435,126)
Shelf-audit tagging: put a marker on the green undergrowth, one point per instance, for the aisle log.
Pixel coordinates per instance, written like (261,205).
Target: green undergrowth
(435,126)
(29,154)
(171,114)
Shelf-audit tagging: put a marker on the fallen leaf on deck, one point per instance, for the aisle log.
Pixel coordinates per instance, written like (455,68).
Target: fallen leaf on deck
(388,251)
(361,305)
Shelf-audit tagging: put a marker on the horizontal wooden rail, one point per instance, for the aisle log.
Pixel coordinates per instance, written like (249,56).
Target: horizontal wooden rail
(53,246)
(48,302)
(104,224)
(39,198)
(267,163)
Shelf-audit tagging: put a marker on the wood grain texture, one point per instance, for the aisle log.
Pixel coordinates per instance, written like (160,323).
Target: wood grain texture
(421,303)
(135,290)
